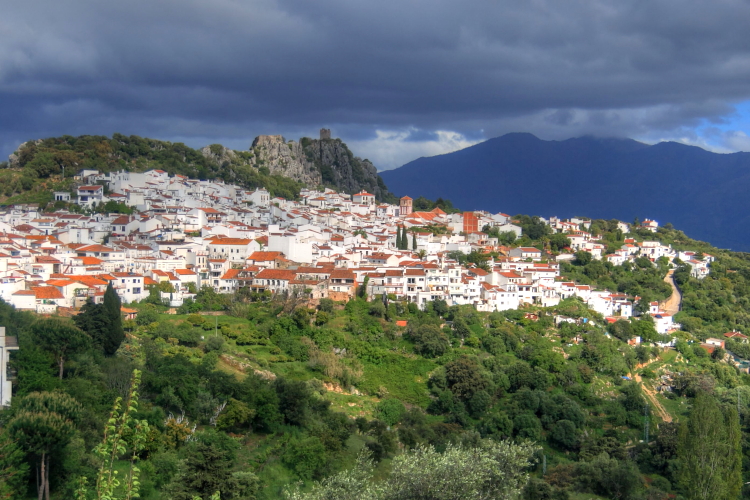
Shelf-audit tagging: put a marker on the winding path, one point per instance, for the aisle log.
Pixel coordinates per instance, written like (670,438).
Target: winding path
(651,394)
(674,303)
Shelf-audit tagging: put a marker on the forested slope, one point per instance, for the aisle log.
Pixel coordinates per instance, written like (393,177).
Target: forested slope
(276,390)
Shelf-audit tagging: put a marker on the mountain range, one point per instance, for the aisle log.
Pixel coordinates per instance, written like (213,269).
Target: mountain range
(700,192)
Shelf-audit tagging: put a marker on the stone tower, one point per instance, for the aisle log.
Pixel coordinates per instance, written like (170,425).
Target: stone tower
(325,133)
(405,206)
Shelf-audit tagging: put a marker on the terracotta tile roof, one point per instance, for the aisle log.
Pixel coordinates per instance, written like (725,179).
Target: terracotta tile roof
(230,241)
(95,248)
(89,281)
(265,256)
(276,274)
(231,274)
(60,282)
(342,274)
(47,292)
(44,259)
(89,261)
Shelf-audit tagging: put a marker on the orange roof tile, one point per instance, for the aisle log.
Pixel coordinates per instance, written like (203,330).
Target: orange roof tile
(47,292)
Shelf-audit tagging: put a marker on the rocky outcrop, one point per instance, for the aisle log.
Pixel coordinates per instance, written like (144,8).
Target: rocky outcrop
(285,158)
(14,159)
(340,168)
(219,154)
(313,162)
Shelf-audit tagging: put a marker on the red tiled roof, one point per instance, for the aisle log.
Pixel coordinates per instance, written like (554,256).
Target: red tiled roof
(47,292)
(265,256)
(276,274)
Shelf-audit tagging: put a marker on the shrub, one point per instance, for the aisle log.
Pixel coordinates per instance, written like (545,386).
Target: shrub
(390,411)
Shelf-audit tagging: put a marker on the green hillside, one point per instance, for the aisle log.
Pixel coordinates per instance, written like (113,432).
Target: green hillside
(36,168)
(273,391)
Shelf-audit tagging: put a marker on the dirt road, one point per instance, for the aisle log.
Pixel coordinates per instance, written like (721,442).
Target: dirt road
(672,305)
(651,394)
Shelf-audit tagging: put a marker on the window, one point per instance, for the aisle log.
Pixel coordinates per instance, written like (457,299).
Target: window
(136,290)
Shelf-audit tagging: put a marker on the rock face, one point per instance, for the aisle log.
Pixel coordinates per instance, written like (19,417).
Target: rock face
(219,154)
(340,168)
(284,158)
(313,162)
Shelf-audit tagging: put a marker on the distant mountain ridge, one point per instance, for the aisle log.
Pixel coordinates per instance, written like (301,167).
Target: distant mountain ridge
(700,192)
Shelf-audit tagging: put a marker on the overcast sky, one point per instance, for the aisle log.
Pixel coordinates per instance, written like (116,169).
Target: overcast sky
(395,79)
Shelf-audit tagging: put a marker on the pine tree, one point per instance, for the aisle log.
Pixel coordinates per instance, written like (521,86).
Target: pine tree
(42,425)
(398,237)
(114,334)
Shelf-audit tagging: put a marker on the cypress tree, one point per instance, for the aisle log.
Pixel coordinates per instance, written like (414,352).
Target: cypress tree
(398,237)
(709,452)
(404,239)
(413,241)
(114,334)
(92,321)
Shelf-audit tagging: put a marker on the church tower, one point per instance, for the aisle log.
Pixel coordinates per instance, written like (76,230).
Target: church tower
(405,206)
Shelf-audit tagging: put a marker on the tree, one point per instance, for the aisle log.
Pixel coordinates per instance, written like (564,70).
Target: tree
(13,469)
(59,337)
(564,433)
(362,292)
(464,377)
(622,329)
(491,470)
(122,431)
(103,322)
(430,341)
(507,237)
(44,423)
(113,315)
(709,452)
(206,469)
(421,253)
(582,258)
(495,470)
(147,315)
(91,320)
(413,241)
(559,241)
(390,411)
(351,484)
(398,237)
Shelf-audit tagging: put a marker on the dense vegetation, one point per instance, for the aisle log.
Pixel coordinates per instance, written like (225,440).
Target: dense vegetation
(272,392)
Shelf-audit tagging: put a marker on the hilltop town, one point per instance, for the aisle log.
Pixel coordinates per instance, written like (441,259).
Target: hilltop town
(186,234)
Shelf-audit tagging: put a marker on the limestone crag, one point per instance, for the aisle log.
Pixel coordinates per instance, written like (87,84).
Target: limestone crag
(285,158)
(312,162)
(340,168)
(219,154)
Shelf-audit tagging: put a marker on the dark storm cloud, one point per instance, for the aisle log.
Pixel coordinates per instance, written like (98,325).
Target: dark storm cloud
(227,70)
